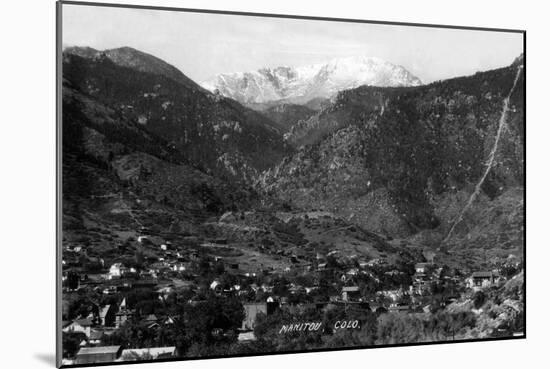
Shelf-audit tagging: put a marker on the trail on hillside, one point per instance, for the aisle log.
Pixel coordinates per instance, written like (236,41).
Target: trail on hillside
(491,159)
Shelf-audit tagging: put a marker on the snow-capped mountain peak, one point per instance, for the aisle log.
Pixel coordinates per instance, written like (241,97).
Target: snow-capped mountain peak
(301,84)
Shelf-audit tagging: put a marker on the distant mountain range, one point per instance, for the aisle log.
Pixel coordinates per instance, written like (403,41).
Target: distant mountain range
(302,84)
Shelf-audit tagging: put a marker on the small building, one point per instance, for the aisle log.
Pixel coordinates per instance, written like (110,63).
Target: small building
(79,325)
(350,293)
(422,284)
(480,280)
(422,268)
(150,321)
(99,354)
(123,315)
(117,270)
(164,292)
(246,337)
(111,290)
(152,353)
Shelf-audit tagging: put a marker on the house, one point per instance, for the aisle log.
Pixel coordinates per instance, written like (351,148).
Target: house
(150,273)
(150,321)
(79,325)
(152,353)
(122,317)
(351,293)
(311,289)
(374,262)
(293,289)
(179,267)
(480,280)
(107,315)
(95,338)
(124,314)
(65,324)
(117,270)
(251,311)
(99,354)
(169,320)
(111,290)
(422,268)
(393,295)
(164,292)
(246,337)
(269,289)
(422,284)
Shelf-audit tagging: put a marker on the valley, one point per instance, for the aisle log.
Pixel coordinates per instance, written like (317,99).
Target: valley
(206,216)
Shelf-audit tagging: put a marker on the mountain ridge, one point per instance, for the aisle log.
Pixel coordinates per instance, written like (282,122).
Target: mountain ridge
(214,133)
(404,161)
(301,84)
(129,57)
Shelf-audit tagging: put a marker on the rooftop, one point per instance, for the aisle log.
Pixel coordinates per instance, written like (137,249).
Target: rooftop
(99,350)
(154,352)
(482,274)
(83,322)
(350,289)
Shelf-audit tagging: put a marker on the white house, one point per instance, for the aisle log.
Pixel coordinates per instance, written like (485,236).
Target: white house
(117,270)
(422,268)
(79,325)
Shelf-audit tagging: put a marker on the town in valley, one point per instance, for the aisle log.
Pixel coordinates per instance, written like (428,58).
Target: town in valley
(339,204)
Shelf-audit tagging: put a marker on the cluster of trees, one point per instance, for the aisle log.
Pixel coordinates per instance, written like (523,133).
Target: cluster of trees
(198,327)
(408,328)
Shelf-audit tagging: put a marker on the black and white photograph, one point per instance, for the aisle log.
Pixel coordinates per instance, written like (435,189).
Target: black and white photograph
(238,184)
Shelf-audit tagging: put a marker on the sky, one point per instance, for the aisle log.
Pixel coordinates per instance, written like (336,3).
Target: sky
(203,45)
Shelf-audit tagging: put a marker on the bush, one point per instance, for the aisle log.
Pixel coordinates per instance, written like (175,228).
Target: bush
(479,299)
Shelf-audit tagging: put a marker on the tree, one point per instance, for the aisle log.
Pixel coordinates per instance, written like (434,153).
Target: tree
(479,299)
(196,329)
(399,328)
(71,343)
